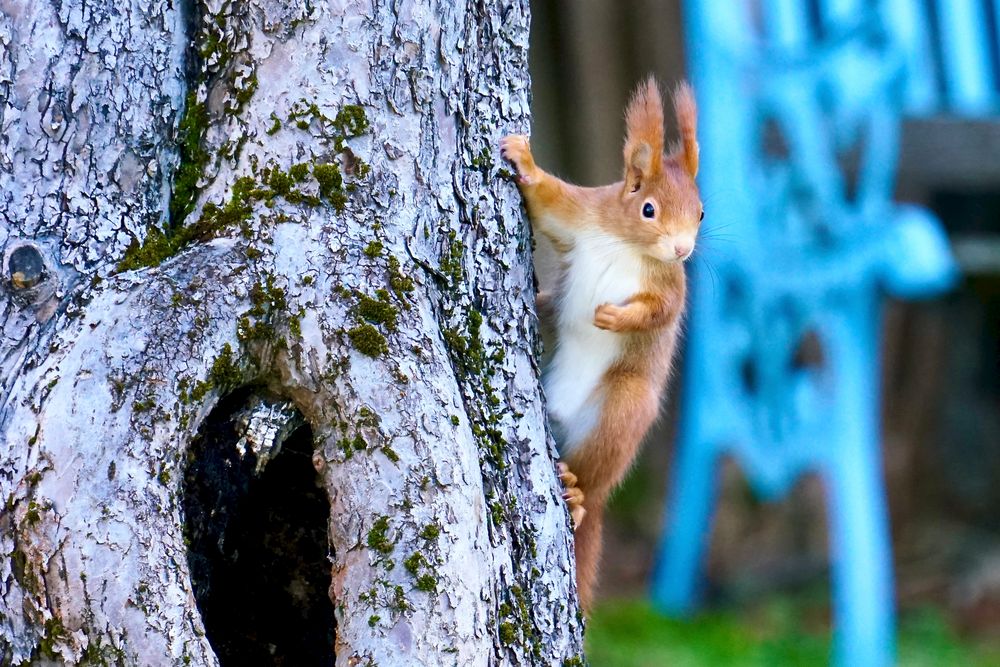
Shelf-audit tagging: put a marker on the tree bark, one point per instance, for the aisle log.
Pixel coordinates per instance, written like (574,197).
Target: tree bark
(302,199)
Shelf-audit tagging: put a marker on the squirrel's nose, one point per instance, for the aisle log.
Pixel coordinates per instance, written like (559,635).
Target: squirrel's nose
(683,248)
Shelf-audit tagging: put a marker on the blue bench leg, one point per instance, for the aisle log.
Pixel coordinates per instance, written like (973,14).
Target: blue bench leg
(861,559)
(687,528)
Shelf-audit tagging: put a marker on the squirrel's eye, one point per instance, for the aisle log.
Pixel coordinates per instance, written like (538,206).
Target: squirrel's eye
(648,211)
(702,214)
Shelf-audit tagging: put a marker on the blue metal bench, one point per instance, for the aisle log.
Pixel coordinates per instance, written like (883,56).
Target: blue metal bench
(785,92)
(951,52)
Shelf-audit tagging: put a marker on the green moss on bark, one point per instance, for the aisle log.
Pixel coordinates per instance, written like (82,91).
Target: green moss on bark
(378,537)
(378,310)
(247,191)
(193,158)
(366,339)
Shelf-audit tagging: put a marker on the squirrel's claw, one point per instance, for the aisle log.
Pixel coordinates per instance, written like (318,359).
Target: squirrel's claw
(515,147)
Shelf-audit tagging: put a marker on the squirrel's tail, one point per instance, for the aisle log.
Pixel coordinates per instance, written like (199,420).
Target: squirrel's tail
(588,553)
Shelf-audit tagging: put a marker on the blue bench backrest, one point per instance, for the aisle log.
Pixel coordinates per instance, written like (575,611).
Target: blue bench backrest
(952,55)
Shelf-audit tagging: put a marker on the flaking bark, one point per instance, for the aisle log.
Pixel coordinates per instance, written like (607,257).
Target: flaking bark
(304,198)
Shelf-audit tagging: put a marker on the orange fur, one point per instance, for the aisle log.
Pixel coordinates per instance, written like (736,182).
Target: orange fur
(647,322)
(687,124)
(643,134)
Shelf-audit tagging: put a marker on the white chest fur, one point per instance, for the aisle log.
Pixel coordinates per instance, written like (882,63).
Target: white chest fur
(599,269)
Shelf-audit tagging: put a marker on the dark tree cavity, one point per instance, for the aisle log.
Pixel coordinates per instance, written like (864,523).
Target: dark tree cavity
(258,554)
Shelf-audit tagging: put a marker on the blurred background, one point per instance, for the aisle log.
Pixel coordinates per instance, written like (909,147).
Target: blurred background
(767,590)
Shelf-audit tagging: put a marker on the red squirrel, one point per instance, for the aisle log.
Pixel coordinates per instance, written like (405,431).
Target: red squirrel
(617,304)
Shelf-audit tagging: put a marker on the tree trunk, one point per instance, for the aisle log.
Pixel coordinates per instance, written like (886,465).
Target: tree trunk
(220,219)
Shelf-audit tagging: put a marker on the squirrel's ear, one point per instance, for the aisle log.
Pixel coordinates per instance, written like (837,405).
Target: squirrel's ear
(686,150)
(644,135)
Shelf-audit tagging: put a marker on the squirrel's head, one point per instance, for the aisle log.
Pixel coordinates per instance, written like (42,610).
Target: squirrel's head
(662,208)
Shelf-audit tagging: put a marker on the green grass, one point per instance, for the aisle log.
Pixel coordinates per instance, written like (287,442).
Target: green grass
(780,632)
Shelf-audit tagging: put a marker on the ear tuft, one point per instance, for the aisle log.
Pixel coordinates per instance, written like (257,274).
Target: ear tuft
(686,152)
(644,134)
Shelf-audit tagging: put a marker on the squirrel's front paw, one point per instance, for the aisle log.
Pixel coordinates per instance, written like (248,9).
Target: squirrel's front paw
(609,317)
(515,148)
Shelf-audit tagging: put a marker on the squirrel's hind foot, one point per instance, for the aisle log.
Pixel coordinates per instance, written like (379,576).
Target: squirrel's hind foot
(571,494)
